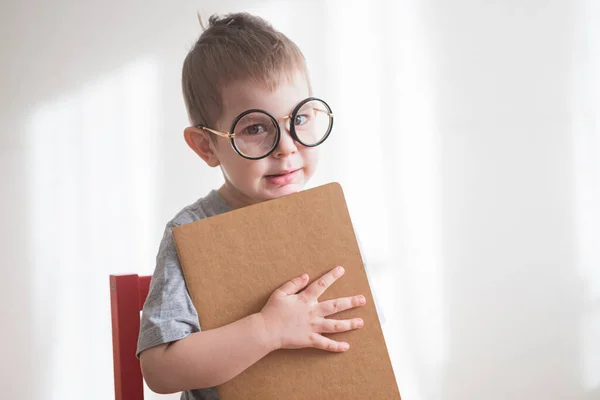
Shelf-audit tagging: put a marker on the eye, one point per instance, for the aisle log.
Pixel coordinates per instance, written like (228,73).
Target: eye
(256,129)
(300,119)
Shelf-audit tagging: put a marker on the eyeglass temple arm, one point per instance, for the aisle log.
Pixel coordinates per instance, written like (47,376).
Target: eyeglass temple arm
(222,134)
(324,111)
(316,109)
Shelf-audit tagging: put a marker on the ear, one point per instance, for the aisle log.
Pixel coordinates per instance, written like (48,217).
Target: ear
(199,141)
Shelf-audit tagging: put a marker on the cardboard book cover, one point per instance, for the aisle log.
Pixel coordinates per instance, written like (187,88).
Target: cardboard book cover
(233,262)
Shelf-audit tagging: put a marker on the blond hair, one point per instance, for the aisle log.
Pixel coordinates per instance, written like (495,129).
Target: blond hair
(237,47)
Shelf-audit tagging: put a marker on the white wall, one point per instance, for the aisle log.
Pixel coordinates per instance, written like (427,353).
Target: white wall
(471,171)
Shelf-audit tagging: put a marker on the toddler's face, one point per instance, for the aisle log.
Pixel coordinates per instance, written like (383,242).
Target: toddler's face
(283,172)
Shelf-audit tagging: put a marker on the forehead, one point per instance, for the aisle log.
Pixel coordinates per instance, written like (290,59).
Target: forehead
(238,97)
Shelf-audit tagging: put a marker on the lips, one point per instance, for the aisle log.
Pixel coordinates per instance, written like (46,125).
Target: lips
(284,172)
(284,177)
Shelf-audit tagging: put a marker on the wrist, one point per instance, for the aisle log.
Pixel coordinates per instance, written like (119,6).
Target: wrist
(266,332)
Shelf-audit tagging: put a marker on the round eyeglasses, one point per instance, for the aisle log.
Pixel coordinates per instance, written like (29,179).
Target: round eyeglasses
(255,134)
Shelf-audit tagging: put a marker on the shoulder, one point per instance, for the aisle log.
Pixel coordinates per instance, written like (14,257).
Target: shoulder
(210,205)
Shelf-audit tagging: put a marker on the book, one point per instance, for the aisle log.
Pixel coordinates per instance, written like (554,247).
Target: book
(233,262)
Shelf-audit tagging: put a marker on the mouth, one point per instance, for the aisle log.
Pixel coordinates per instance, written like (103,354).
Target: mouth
(283,177)
(284,172)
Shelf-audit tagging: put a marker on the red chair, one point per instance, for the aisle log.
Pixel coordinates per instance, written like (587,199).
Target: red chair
(127,296)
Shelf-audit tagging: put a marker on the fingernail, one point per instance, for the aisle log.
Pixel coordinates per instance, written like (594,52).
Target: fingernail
(360,323)
(345,346)
(362,300)
(339,271)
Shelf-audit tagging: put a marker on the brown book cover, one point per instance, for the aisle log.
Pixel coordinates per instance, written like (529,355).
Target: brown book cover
(233,262)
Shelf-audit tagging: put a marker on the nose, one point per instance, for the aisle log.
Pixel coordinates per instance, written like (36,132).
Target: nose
(287,145)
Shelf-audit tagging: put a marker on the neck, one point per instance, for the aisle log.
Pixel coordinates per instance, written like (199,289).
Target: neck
(234,198)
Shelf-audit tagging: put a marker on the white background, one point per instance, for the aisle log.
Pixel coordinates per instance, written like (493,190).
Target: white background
(466,138)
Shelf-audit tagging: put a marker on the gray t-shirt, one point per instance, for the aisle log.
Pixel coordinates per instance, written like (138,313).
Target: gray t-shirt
(169,314)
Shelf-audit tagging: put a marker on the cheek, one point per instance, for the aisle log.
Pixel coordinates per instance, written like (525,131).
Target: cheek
(311,157)
(242,171)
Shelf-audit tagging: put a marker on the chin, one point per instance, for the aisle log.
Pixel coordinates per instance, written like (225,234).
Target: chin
(281,191)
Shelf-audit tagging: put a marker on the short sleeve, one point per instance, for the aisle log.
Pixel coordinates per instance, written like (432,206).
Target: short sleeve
(168,314)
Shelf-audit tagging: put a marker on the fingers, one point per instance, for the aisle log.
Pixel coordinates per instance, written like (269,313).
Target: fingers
(331,307)
(318,287)
(321,342)
(294,286)
(335,325)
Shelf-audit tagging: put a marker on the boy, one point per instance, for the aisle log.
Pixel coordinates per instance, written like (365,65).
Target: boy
(248,98)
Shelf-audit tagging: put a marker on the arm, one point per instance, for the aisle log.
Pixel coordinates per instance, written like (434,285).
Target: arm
(206,358)
(290,319)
